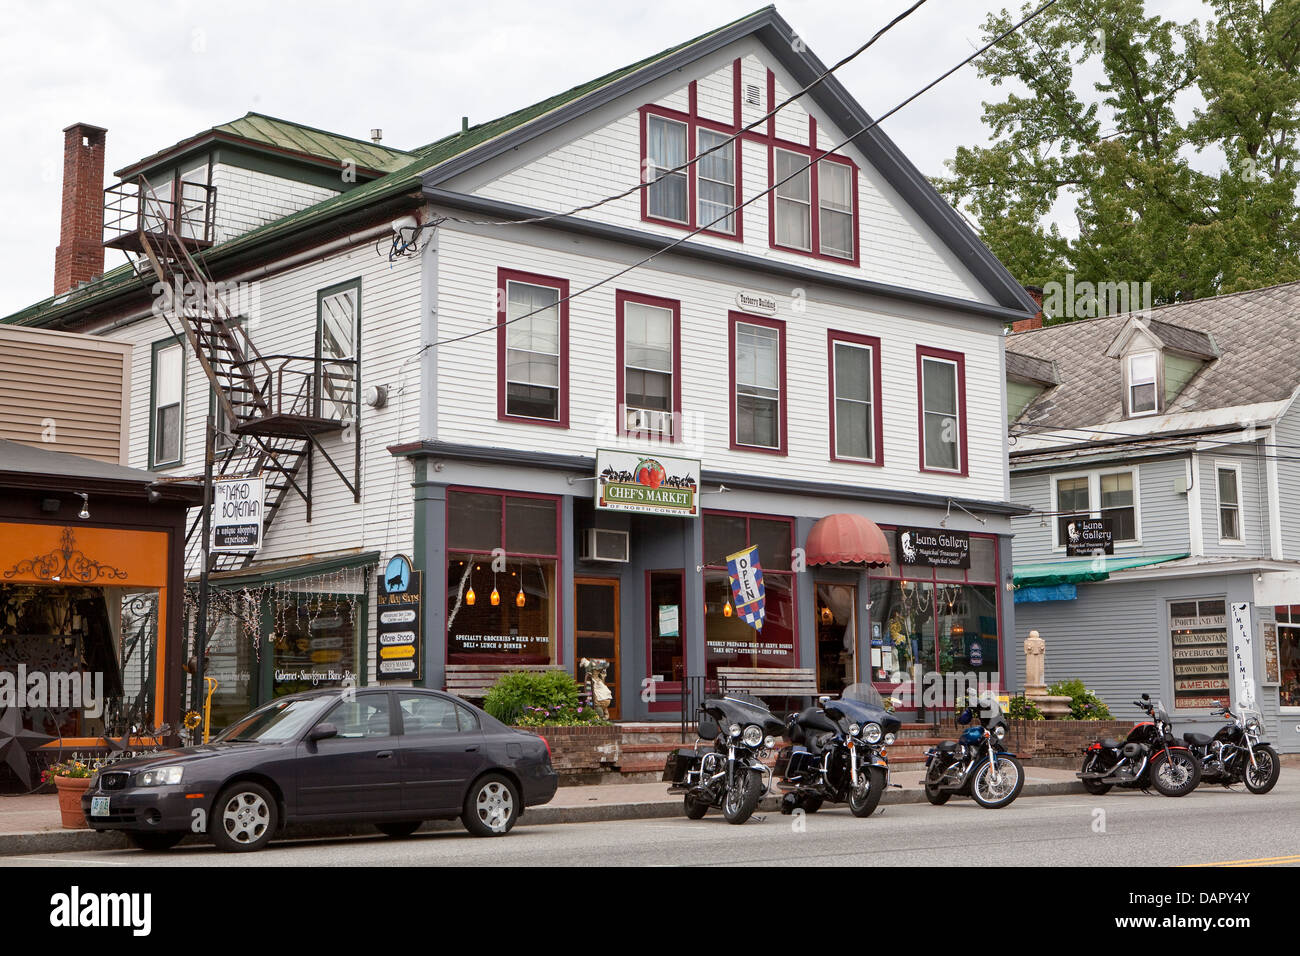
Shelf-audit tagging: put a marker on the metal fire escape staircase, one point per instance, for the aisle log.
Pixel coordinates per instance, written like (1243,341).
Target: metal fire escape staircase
(275,407)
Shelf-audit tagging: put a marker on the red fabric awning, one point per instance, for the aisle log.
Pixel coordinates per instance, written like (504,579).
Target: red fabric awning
(846,539)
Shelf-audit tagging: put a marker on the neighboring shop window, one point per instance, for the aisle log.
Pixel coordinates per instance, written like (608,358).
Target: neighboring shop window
(1102,494)
(167,400)
(521,625)
(338,323)
(941,394)
(837,636)
(649,336)
(758,383)
(532,348)
(729,641)
(1288,656)
(232,661)
(1198,636)
(316,636)
(97,649)
(943,620)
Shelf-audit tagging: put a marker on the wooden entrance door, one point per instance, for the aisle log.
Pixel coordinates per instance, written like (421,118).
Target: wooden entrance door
(595,627)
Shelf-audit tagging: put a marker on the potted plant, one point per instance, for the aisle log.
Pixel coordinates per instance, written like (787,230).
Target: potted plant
(71,778)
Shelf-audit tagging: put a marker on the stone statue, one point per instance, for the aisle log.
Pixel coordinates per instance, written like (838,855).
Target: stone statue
(601,695)
(1035,657)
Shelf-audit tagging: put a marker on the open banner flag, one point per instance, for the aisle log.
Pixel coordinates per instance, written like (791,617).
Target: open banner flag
(747,585)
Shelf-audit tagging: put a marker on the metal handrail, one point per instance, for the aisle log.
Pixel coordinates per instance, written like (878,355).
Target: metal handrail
(133,206)
(305,399)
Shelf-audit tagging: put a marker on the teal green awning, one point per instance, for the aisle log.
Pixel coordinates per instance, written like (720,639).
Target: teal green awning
(1081,570)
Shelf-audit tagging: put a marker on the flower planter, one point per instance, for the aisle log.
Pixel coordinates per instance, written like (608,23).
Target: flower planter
(70,791)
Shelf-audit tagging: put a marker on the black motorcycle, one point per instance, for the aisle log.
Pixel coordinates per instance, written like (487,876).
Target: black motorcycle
(975,765)
(1235,754)
(732,774)
(837,753)
(1149,756)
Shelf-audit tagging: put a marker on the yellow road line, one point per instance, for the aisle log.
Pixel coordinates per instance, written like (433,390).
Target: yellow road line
(1258,861)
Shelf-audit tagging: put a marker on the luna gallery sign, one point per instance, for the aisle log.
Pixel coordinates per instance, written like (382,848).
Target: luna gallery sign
(934,547)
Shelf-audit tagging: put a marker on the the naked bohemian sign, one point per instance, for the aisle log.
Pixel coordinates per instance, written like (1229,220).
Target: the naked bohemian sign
(647,484)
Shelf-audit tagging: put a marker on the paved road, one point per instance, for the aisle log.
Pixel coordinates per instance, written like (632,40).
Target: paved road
(1208,826)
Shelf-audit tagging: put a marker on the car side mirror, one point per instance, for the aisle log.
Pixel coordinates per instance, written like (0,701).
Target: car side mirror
(322,732)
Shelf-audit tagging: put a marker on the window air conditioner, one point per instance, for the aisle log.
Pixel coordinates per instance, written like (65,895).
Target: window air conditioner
(599,544)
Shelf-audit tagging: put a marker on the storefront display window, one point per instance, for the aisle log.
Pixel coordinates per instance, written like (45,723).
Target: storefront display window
(502,567)
(1198,636)
(1288,656)
(942,620)
(729,641)
(94,650)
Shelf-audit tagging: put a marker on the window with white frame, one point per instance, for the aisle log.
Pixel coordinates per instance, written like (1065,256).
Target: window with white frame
(168,413)
(716,181)
(648,368)
(337,312)
(853,381)
(835,209)
(532,386)
(940,414)
(1142,395)
(758,385)
(666,197)
(793,201)
(1228,483)
(1099,494)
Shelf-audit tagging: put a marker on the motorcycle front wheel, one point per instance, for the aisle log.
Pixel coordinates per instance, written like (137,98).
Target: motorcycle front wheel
(992,788)
(1175,773)
(865,797)
(1262,777)
(742,796)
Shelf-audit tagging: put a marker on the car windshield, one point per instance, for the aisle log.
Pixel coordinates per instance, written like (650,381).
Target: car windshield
(277,721)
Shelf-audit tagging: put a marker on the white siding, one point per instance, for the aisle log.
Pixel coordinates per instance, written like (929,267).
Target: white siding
(247,199)
(1286,446)
(467,386)
(1252,494)
(896,247)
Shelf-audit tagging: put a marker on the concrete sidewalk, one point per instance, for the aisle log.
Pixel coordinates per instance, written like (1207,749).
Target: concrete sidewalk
(30,824)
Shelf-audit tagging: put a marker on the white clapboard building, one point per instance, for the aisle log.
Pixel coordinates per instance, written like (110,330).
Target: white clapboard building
(568,420)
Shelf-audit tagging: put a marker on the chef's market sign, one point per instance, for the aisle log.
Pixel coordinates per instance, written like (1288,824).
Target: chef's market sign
(647,483)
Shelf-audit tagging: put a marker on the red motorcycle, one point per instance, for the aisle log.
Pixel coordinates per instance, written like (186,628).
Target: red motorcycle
(1149,756)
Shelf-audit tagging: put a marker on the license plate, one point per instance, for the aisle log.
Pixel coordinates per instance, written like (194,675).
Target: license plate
(99,806)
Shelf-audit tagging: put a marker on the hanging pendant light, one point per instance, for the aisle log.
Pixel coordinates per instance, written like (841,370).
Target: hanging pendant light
(469,597)
(726,609)
(826,614)
(519,598)
(496,597)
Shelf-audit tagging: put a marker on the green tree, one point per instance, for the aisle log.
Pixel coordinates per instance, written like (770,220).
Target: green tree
(1115,115)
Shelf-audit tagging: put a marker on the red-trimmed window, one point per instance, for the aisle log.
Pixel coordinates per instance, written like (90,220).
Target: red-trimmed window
(703,194)
(855,403)
(649,336)
(758,394)
(941,409)
(813,208)
(532,348)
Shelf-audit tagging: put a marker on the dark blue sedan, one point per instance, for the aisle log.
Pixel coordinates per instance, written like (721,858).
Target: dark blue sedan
(392,757)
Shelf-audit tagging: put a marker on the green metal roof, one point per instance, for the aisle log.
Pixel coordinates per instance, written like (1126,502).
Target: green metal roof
(1081,570)
(406,177)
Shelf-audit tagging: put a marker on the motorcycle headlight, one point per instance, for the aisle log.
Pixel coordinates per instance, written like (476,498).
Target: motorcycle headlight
(734,730)
(159,777)
(999,731)
(872,733)
(1253,726)
(854,730)
(753,735)
(889,739)
(769,743)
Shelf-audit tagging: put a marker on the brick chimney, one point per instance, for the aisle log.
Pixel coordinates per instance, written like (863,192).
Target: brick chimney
(80,254)
(1025,325)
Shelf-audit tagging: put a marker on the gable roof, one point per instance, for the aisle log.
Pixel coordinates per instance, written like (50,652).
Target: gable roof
(421,168)
(285,137)
(1163,335)
(1254,335)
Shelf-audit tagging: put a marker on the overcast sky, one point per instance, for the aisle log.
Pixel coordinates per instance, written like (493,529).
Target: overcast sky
(154,73)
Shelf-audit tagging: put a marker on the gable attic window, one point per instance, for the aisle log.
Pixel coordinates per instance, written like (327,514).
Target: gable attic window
(666,197)
(1142,375)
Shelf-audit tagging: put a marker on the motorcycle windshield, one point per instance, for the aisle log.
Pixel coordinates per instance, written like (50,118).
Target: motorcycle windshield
(864,693)
(862,704)
(743,709)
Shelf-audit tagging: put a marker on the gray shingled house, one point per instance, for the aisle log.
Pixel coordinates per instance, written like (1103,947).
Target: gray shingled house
(1161,453)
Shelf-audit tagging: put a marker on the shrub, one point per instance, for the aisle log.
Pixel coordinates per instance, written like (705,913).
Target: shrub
(1084,704)
(1021,708)
(535,699)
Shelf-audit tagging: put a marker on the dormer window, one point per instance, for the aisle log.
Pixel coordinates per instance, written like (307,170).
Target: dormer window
(1142,375)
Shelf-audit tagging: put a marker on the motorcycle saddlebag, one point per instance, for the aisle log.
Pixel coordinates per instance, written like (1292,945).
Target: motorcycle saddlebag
(678,763)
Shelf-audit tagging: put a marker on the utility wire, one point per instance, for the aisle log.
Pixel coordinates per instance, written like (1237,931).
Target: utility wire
(731,210)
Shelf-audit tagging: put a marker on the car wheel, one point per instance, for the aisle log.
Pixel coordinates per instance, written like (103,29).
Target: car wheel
(243,818)
(492,806)
(155,842)
(402,829)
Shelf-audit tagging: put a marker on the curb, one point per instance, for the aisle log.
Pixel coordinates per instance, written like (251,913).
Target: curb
(81,841)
